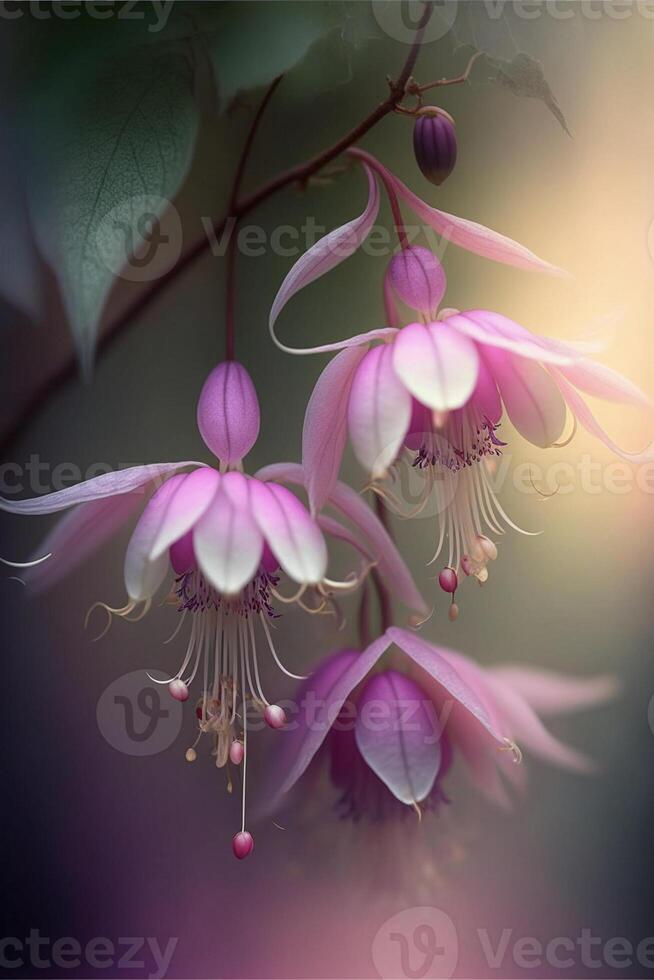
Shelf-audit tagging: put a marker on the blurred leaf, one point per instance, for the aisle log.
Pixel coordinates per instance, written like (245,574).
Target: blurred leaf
(330,62)
(524,76)
(257,41)
(20,280)
(495,29)
(484,27)
(115,147)
(250,44)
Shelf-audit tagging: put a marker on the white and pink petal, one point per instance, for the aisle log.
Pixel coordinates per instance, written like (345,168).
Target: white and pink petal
(600,381)
(79,534)
(143,576)
(549,693)
(496,330)
(292,534)
(325,255)
(325,693)
(531,397)
(105,485)
(325,425)
(471,235)
(436,364)
(379,411)
(186,506)
(585,417)
(464,692)
(228,544)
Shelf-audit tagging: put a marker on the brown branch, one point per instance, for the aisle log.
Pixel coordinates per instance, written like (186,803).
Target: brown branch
(297,174)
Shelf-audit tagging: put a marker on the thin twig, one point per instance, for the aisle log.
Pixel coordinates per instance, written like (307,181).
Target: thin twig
(230,272)
(297,174)
(247,146)
(440,82)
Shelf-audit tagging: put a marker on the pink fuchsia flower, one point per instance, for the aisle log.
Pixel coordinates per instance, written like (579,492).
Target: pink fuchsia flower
(387,725)
(434,392)
(224,538)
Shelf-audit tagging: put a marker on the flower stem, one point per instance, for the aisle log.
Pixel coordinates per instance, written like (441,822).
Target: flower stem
(383,595)
(374,164)
(363,617)
(298,174)
(397,216)
(230,297)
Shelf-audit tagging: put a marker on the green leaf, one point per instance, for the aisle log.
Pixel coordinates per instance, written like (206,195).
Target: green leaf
(116,144)
(524,76)
(257,41)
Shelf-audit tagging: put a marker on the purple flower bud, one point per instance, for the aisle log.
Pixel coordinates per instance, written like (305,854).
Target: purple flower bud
(228,412)
(418,278)
(434,144)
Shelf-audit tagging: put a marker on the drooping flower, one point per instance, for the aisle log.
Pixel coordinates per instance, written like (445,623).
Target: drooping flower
(388,723)
(224,538)
(434,392)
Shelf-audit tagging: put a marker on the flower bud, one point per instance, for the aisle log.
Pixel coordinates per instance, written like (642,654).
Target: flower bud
(434,143)
(275,717)
(418,278)
(448,580)
(242,844)
(178,689)
(228,412)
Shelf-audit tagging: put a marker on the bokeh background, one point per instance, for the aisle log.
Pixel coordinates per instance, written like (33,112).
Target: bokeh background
(100,843)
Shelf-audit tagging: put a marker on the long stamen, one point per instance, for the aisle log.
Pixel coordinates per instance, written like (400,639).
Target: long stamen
(123,611)
(147,606)
(255,662)
(245,763)
(566,442)
(25,564)
(296,677)
(173,635)
(290,600)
